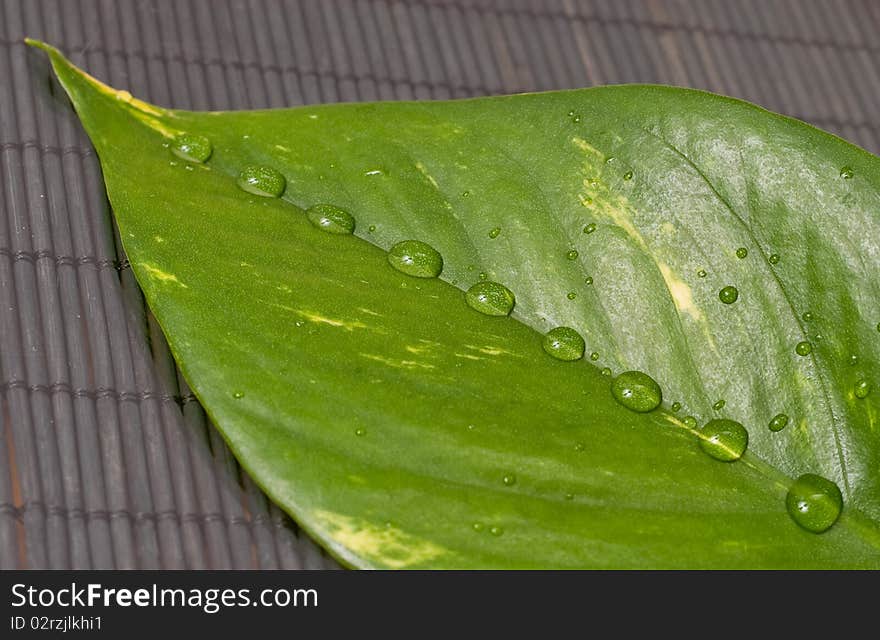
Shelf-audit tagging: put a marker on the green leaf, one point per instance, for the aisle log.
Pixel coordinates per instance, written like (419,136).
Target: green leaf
(402,428)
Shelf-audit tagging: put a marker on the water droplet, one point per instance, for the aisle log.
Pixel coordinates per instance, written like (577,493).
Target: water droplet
(330,218)
(594,356)
(564,343)
(238,395)
(628,175)
(491,298)
(742,252)
(676,407)
(701,273)
(416,258)
(588,280)
(590,228)
(606,371)
(572,255)
(729,294)
(773,259)
(637,391)
(465,194)
(477,526)
(853,360)
(374,172)
(609,159)
(509,479)
(571,295)
(262,181)
(724,440)
(494,233)
(360,431)
(371,228)
(483,275)
(580,446)
(803,348)
(718,406)
(778,422)
(814,502)
(862,389)
(690,422)
(808,316)
(496,531)
(846,172)
(192,147)
(569,496)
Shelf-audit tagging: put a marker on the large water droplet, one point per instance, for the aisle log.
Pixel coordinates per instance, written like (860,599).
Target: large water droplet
(803,348)
(491,298)
(330,218)
(262,181)
(724,440)
(846,172)
(564,343)
(192,147)
(778,422)
(690,422)
(862,389)
(742,253)
(416,258)
(814,502)
(637,391)
(728,295)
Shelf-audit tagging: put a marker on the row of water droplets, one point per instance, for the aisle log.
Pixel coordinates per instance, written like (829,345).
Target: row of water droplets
(814,502)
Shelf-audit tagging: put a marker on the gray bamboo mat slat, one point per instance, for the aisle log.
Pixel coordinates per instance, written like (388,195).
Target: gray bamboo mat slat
(106,458)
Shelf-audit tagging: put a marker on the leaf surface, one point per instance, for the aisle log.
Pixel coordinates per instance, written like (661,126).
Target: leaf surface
(403,429)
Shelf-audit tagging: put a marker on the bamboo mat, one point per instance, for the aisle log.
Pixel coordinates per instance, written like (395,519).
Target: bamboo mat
(106,459)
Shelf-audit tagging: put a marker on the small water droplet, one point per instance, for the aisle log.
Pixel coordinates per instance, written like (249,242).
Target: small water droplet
(628,175)
(594,356)
(192,147)
(742,253)
(808,316)
(465,194)
(571,295)
(853,360)
(564,343)
(701,273)
(846,172)
(778,422)
(496,531)
(371,228)
(509,479)
(262,181)
(773,259)
(637,391)
(814,502)
(494,233)
(728,295)
(580,446)
(569,496)
(491,298)
(606,371)
(483,275)
(572,255)
(416,258)
(676,407)
(609,159)
(724,440)
(588,280)
(862,389)
(374,172)
(330,218)
(238,395)
(590,228)
(360,431)
(803,348)
(471,427)
(477,526)
(718,406)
